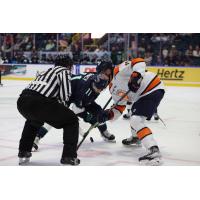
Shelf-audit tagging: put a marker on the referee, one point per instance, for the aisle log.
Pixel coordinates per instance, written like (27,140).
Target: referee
(46,100)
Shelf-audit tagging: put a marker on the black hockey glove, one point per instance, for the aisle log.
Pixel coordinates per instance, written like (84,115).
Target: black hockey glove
(88,117)
(104,116)
(134,81)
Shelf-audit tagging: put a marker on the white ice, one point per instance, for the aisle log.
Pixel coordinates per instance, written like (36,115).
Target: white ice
(179,141)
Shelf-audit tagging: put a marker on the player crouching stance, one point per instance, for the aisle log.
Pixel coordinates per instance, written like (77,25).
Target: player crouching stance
(45,100)
(85,90)
(146,91)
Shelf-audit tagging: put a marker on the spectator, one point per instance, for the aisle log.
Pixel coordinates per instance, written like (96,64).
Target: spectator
(34,57)
(7,46)
(189,51)
(50,58)
(148,58)
(164,53)
(196,51)
(85,59)
(94,58)
(114,56)
(50,46)
(76,52)
(168,47)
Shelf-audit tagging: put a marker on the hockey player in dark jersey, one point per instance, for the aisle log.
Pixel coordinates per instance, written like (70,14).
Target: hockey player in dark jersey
(85,90)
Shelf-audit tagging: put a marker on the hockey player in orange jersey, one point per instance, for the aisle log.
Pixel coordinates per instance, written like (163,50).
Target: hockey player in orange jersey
(146,90)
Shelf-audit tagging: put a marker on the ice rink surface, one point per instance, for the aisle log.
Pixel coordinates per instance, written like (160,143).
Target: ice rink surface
(179,141)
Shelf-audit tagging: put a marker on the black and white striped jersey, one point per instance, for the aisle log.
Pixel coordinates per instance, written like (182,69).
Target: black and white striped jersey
(53,83)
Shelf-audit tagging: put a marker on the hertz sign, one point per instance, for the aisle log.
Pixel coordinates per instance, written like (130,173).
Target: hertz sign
(178,76)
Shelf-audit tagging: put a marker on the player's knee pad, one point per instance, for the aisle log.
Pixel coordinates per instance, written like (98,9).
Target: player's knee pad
(137,122)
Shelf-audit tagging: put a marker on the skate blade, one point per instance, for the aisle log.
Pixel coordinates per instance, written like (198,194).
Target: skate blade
(153,162)
(126,118)
(132,145)
(35,147)
(24,161)
(34,150)
(109,141)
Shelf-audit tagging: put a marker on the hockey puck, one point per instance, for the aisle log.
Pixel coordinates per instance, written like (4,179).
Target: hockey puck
(91,139)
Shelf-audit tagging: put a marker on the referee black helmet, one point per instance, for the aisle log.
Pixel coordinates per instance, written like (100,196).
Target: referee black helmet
(63,60)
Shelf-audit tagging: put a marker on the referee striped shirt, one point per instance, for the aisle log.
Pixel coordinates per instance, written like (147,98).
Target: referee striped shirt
(53,83)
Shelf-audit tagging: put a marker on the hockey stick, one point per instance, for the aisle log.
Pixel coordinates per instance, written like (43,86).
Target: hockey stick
(162,121)
(97,123)
(92,126)
(91,139)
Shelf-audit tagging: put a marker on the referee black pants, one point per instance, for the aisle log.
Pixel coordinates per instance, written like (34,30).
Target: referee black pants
(38,110)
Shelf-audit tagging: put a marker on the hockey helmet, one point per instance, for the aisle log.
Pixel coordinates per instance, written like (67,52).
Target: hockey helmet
(64,60)
(100,82)
(103,67)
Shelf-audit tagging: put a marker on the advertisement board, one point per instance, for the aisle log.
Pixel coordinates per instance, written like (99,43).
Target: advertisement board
(5,69)
(80,69)
(172,76)
(178,76)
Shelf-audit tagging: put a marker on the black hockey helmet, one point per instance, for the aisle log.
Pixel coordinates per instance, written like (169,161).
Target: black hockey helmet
(100,81)
(104,65)
(63,60)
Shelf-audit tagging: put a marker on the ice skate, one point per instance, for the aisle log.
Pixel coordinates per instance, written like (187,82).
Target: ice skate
(24,157)
(153,158)
(148,118)
(70,161)
(107,136)
(35,144)
(131,141)
(156,117)
(126,116)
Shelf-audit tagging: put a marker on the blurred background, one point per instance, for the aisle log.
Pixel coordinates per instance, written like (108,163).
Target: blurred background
(158,49)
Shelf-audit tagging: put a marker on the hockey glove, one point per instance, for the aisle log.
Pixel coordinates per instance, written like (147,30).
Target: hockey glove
(104,116)
(88,117)
(134,81)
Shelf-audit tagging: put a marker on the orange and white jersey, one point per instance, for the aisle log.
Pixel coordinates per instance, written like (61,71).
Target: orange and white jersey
(149,84)
(122,73)
(119,86)
(126,68)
